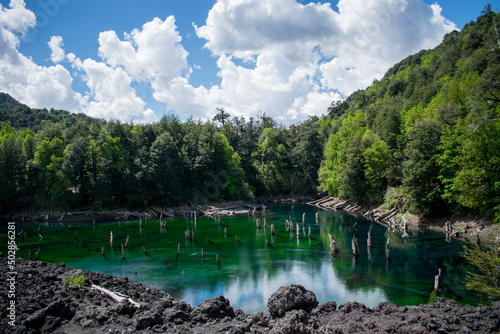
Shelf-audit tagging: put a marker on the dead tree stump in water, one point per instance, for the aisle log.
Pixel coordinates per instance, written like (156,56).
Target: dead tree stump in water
(355,246)
(387,250)
(334,246)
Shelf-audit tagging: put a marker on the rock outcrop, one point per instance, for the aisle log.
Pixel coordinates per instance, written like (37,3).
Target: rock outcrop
(288,298)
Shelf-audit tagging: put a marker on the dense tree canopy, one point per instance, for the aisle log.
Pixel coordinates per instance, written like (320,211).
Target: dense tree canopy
(105,165)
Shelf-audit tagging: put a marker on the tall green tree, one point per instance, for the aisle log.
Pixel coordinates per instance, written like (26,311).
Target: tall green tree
(75,166)
(420,169)
(269,161)
(166,171)
(11,167)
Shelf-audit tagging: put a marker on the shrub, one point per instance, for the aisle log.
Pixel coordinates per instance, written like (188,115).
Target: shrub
(398,198)
(75,281)
(486,280)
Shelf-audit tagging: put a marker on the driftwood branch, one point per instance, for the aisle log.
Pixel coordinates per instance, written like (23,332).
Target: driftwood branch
(115,295)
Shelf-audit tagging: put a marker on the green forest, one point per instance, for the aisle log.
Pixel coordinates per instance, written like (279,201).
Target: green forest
(425,138)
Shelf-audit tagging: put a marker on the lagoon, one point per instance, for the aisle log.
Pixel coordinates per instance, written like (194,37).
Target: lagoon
(249,272)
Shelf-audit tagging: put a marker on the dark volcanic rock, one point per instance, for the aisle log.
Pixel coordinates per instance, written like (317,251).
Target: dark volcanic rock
(293,322)
(147,319)
(212,308)
(293,297)
(56,309)
(125,308)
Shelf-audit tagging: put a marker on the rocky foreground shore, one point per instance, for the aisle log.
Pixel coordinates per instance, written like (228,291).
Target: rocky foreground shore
(45,303)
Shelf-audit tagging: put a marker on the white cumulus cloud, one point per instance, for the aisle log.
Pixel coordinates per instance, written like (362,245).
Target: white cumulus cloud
(153,53)
(281,57)
(111,95)
(330,50)
(32,84)
(57,53)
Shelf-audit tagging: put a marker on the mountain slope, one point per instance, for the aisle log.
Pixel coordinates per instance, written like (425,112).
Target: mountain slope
(427,136)
(22,117)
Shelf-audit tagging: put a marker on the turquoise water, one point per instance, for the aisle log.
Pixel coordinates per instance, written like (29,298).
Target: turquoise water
(249,272)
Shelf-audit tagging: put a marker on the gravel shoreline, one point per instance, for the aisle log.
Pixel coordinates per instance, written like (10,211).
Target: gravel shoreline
(45,304)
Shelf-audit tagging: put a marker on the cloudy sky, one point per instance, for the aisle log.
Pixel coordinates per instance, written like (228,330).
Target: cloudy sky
(139,60)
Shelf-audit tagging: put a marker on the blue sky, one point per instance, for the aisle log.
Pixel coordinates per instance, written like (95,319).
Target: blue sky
(137,61)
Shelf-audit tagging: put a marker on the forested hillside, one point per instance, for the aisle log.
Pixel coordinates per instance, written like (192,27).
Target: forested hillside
(23,117)
(425,138)
(91,164)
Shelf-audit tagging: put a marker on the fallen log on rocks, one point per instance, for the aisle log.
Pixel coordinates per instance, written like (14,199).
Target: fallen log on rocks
(318,200)
(325,200)
(254,206)
(340,205)
(387,214)
(164,213)
(115,295)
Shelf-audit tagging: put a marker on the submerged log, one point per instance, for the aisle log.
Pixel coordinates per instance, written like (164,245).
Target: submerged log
(110,240)
(303,219)
(123,252)
(298,231)
(369,240)
(272,230)
(309,231)
(317,216)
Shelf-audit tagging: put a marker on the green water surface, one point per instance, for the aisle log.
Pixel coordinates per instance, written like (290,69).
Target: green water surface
(249,272)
